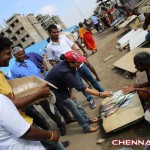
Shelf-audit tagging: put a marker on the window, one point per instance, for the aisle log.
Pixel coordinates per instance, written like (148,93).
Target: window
(2,34)
(19,45)
(22,28)
(27,36)
(17,21)
(23,40)
(8,31)
(14,38)
(18,32)
(12,25)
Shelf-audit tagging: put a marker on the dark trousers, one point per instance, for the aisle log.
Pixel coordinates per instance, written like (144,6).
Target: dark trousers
(105,22)
(45,105)
(97,27)
(38,119)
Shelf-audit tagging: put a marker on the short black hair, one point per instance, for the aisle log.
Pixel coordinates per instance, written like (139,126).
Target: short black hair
(142,59)
(80,24)
(4,43)
(48,39)
(116,6)
(52,26)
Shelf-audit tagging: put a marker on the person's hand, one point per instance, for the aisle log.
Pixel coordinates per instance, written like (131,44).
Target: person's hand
(97,78)
(85,54)
(55,136)
(128,89)
(72,96)
(44,91)
(106,94)
(45,68)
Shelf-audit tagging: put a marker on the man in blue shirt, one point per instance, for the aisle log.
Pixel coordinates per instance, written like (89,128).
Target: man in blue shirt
(95,21)
(36,59)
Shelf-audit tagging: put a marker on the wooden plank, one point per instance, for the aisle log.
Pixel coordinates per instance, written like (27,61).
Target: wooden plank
(126,62)
(123,116)
(107,58)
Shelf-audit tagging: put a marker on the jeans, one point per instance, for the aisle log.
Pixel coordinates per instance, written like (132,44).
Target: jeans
(86,73)
(88,96)
(78,112)
(63,111)
(148,37)
(48,145)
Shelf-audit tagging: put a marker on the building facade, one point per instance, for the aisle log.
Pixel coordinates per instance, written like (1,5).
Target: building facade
(46,20)
(23,30)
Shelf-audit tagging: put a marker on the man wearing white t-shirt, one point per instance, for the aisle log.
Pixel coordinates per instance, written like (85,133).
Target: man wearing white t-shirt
(17,134)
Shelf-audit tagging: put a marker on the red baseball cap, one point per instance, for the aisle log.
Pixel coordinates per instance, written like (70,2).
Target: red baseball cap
(74,56)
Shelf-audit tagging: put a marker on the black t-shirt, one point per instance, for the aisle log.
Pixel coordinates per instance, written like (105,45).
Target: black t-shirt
(63,77)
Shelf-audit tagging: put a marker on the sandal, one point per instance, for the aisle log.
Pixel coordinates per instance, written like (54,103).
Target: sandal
(93,120)
(93,129)
(70,120)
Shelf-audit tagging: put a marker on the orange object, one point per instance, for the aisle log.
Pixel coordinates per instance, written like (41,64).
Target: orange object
(88,39)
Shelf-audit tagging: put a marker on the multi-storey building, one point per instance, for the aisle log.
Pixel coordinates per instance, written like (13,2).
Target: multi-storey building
(46,20)
(23,30)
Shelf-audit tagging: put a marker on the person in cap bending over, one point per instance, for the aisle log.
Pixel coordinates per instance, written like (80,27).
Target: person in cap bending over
(63,75)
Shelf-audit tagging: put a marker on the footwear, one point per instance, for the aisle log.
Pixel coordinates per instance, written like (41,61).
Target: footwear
(93,120)
(92,104)
(62,129)
(66,143)
(70,120)
(93,129)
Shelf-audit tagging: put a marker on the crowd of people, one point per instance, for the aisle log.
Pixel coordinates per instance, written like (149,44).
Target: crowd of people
(24,127)
(69,67)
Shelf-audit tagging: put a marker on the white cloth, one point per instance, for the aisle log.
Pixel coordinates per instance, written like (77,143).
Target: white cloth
(55,50)
(13,126)
(147,115)
(52,101)
(94,19)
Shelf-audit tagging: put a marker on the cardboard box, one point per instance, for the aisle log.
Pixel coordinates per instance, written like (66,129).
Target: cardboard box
(22,82)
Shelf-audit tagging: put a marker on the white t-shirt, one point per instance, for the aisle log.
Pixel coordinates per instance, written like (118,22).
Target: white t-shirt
(55,50)
(13,126)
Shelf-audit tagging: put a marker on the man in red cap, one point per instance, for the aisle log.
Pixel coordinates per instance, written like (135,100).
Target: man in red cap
(63,76)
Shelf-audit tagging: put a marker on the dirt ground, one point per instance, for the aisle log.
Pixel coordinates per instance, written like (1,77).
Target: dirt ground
(112,79)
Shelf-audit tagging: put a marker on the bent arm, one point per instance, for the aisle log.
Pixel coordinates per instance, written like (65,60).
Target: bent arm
(37,134)
(23,101)
(45,65)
